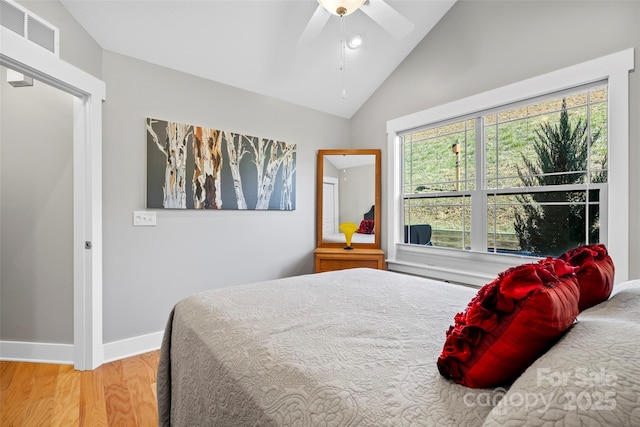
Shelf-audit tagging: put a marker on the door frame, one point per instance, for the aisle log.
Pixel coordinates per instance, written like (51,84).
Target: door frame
(334,182)
(89,92)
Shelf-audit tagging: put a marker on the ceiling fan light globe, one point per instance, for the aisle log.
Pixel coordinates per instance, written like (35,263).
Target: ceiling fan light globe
(341,7)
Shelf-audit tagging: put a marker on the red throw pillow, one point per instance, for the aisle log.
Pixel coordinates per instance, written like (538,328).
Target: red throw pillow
(595,273)
(510,323)
(366,226)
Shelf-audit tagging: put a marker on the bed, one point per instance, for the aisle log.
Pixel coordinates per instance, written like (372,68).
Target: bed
(359,348)
(358,237)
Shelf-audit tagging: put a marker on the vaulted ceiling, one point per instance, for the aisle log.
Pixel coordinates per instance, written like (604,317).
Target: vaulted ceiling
(257,46)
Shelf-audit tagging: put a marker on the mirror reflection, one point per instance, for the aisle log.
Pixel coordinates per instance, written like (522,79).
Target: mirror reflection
(348,194)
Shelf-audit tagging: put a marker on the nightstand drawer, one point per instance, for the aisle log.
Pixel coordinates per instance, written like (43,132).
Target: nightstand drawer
(330,259)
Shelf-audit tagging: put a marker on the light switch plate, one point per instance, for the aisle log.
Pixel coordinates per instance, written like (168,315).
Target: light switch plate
(144,219)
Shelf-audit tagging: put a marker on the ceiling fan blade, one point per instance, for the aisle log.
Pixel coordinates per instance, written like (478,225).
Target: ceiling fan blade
(388,18)
(314,26)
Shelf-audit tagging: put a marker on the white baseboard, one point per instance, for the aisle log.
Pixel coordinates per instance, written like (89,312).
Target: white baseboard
(36,352)
(63,354)
(132,346)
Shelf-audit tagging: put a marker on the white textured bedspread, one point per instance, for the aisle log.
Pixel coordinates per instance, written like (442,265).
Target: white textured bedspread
(346,348)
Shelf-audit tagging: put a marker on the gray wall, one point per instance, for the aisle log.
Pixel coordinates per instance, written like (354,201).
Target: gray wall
(146,270)
(357,192)
(36,206)
(482,45)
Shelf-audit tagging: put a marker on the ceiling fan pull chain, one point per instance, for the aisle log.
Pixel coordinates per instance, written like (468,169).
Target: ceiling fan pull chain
(343,63)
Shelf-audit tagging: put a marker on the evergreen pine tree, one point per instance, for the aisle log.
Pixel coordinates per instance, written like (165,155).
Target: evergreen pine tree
(548,225)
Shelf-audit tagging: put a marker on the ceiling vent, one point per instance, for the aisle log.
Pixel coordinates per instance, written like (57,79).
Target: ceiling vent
(19,20)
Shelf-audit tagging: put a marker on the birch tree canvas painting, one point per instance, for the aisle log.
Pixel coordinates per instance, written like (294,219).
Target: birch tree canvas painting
(192,167)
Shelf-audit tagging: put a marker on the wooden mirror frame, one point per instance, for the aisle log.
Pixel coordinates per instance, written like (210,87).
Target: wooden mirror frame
(319,198)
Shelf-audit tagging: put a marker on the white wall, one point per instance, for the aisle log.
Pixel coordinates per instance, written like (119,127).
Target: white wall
(482,45)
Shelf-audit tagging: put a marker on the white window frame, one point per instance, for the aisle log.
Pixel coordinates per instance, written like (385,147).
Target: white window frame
(478,268)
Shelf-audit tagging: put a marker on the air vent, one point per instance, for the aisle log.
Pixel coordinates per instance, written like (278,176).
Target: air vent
(12,17)
(19,20)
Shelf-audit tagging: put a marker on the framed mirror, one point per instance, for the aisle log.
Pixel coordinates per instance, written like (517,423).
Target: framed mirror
(348,190)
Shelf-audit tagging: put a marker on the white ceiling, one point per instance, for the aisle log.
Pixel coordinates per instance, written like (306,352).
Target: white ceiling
(254,45)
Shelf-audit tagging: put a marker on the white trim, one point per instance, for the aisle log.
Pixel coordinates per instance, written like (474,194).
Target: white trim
(87,200)
(132,346)
(28,58)
(16,351)
(602,68)
(615,69)
(38,62)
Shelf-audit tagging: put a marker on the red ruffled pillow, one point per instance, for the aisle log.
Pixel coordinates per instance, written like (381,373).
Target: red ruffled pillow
(366,226)
(510,323)
(595,273)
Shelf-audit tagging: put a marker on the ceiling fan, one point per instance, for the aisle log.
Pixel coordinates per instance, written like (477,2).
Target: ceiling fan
(378,10)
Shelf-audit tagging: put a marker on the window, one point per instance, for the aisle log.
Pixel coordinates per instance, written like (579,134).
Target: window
(534,170)
(468,168)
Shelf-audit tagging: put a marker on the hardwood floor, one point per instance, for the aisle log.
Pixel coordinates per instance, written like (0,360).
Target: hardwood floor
(120,393)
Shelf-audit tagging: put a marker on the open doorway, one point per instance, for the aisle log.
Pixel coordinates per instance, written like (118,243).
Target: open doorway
(330,205)
(21,55)
(36,213)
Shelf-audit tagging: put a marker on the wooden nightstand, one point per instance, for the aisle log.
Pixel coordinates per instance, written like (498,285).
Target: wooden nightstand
(329,259)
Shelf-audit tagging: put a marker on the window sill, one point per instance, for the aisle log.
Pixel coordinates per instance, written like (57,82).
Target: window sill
(466,278)
(465,267)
